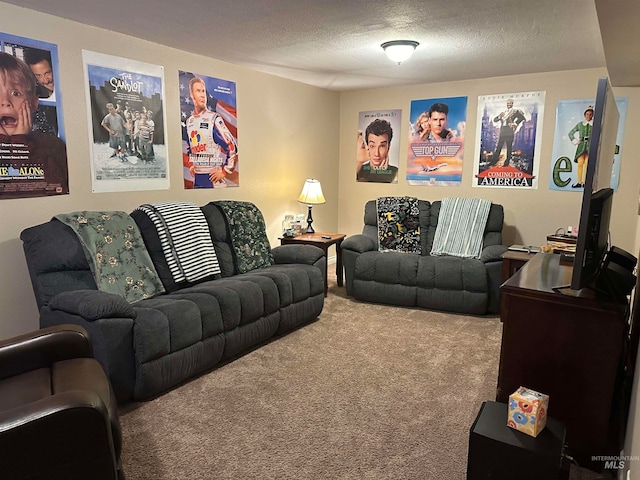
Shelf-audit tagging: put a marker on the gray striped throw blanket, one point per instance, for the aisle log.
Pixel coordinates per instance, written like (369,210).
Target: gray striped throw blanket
(461,225)
(185,239)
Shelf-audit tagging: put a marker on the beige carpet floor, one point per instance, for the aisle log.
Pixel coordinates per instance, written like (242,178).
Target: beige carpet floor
(365,392)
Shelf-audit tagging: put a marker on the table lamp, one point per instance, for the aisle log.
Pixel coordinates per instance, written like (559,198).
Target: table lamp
(311,195)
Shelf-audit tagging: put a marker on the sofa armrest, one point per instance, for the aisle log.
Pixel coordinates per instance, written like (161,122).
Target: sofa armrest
(304,254)
(492,253)
(42,348)
(359,243)
(92,304)
(76,420)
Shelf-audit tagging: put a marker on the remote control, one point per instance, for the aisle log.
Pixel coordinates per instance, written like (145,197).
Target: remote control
(326,237)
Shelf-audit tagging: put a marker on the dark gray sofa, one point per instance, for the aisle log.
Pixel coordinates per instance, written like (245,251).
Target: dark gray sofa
(454,284)
(154,344)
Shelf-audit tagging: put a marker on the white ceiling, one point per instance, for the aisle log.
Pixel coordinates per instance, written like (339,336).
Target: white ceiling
(335,44)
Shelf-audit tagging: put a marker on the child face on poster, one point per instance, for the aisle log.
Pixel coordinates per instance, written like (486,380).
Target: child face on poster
(18,97)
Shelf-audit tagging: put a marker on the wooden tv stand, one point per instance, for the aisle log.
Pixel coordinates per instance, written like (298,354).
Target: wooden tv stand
(569,346)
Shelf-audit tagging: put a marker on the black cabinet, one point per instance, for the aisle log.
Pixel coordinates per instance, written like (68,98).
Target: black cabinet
(497,451)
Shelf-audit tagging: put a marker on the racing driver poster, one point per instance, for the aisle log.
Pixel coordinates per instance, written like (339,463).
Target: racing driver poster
(209,131)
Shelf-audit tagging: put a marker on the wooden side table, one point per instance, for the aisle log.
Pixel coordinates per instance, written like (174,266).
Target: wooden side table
(513,261)
(324,241)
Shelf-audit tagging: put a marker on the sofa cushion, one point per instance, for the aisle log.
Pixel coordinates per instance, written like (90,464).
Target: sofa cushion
(453,284)
(92,304)
(221,238)
(56,261)
(302,281)
(386,277)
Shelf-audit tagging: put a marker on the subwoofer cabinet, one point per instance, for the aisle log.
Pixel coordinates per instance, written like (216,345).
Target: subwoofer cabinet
(571,347)
(499,452)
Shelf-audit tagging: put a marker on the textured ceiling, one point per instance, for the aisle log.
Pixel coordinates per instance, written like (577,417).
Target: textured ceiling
(335,44)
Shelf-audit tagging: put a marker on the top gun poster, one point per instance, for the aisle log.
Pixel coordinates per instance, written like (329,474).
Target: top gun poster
(33,153)
(436,141)
(127,130)
(509,135)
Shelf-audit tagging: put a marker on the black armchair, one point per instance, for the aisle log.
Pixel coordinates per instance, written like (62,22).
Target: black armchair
(58,414)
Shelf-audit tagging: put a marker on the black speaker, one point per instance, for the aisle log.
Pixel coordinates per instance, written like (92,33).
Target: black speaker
(621,257)
(616,278)
(499,452)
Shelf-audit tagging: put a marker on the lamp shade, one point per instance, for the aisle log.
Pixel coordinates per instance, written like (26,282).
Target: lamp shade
(399,50)
(311,192)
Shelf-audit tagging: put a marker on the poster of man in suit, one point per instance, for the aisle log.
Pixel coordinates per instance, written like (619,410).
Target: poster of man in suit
(509,134)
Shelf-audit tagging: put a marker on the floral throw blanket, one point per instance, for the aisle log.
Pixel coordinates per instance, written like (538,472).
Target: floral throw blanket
(398,224)
(248,234)
(116,253)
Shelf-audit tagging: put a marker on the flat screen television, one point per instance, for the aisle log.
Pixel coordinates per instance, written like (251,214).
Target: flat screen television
(592,243)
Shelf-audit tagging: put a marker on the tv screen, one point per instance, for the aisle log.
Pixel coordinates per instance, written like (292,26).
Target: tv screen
(597,197)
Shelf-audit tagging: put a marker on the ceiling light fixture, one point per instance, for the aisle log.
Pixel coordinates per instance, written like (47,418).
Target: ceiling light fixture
(399,50)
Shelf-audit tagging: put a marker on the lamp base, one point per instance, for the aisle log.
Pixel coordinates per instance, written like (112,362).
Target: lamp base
(309,222)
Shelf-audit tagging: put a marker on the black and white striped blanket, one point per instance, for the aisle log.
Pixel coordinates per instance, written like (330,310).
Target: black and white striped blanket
(185,239)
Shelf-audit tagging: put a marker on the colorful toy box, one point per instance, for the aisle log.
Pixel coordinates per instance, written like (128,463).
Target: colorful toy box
(528,411)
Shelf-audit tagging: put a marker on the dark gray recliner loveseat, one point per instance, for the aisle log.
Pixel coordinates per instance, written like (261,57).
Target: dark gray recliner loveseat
(448,283)
(152,345)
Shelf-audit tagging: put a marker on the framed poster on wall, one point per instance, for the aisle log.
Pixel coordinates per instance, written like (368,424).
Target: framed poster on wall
(127,130)
(33,154)
(509,134)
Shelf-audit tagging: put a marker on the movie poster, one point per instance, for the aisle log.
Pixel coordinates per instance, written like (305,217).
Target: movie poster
(377,153)
(127,131)
(33,154)
(209,131)
(509,136)
(436,141)
(574,122)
